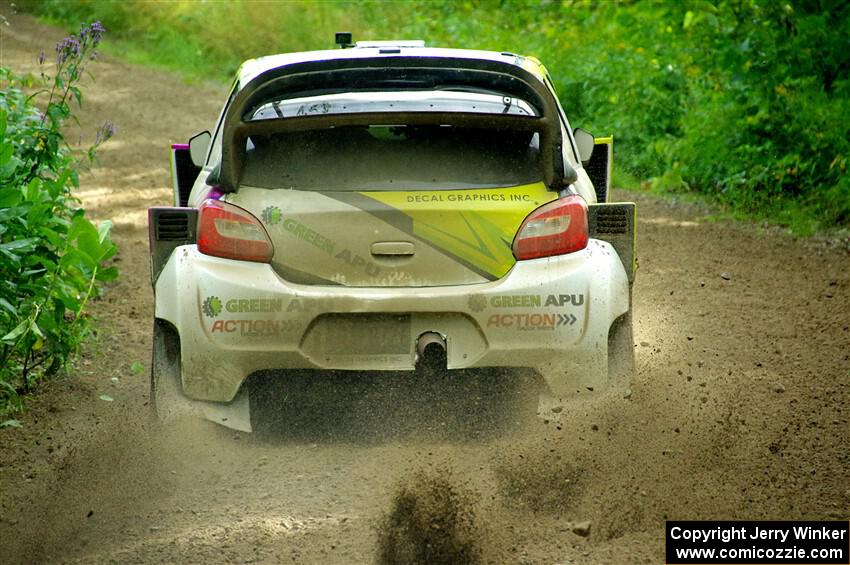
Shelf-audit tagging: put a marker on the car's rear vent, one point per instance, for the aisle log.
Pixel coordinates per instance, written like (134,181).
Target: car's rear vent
(612,220)
(173,226)
(169,228)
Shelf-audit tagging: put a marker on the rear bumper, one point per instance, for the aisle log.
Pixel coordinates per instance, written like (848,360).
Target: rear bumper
(236,318)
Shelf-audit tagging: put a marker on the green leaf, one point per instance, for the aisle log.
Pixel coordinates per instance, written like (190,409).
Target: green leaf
(76,260)
(103,230)
(9,168)
(41,260)
(10,424)
(10,197)
(108,274)
(55,187)
(77,94)
(69,302)
(37,331)
(106,398)
(48,323)
(89,245)
(8,306)
(85,234)
(15,333)
(34,190)
(26,243)
(137,368)
(52,237)
(11,256)
(6,151)
(31,272)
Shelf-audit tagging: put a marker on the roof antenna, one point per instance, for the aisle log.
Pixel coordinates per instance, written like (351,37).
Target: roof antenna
(343,39)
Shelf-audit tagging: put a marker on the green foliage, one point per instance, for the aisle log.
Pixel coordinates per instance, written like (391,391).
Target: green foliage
(51,256)
(745,101)
(770,100)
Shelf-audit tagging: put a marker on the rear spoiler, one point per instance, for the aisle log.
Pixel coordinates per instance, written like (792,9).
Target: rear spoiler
(615,223)
(364,74)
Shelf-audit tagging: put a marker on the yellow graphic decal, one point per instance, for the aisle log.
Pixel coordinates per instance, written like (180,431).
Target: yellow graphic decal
(475,226)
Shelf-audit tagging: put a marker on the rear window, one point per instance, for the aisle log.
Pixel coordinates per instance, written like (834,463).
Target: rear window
(392,157)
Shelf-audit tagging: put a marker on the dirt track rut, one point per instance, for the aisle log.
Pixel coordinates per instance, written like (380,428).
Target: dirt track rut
(739,408)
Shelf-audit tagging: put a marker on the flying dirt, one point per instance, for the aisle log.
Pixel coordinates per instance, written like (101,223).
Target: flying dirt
(739,407)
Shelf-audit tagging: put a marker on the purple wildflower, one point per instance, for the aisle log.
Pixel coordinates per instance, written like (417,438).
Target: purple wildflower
(104,133)
(67,48)
(97,30)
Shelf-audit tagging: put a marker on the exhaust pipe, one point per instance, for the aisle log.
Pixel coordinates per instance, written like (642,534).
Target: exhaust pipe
(431,352)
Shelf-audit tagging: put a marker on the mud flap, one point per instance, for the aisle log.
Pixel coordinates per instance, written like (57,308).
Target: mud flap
(172,404)
(235,415)
(167,395)
(615,223)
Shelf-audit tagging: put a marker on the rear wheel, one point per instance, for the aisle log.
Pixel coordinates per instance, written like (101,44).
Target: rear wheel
(621,351)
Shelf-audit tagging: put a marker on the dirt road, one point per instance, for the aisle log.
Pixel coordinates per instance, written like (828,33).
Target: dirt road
(739,408)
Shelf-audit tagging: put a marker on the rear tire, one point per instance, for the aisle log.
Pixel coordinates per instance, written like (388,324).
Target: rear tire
(621,351)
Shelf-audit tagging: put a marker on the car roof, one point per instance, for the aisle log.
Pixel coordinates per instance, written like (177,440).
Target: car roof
(252,68)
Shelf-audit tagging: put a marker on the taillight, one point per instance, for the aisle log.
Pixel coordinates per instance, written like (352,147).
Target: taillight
(555,228)
(225,230)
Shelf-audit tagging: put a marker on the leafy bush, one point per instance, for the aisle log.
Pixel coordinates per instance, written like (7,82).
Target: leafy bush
(766,126)
(52,258)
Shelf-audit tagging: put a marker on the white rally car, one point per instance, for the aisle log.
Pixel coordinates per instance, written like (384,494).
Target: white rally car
(382,206)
